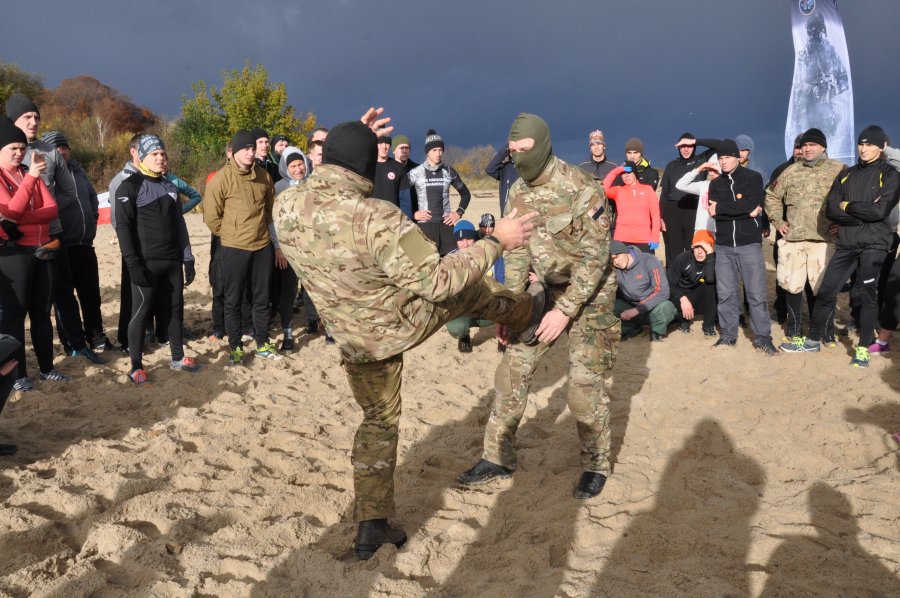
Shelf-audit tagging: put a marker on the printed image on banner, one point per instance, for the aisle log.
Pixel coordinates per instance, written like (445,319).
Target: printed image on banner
(822,90)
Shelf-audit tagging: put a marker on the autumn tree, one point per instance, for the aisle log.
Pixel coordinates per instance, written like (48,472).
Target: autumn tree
(15,80)
(246,99)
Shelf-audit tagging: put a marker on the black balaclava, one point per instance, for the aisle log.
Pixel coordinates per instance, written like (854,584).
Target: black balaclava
(532,163)
(354,146)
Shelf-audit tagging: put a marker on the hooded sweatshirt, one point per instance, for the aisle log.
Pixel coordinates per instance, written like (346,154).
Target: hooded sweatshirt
(286,180)
(643,284)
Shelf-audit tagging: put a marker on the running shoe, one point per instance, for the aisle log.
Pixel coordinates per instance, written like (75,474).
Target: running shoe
(879,349)
(830,342)
(861,358)
(54,375)
(88,354)
(267,351)
(287,344)
(186,364)
(23,384)
(236,356)
(801,344)
(685,327)
(722,342)
(709,330)
(766,347)
(139,376)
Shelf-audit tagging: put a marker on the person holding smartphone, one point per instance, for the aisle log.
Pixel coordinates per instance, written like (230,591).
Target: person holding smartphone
(26,281)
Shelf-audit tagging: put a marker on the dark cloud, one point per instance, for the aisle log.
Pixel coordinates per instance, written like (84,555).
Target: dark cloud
(651,69)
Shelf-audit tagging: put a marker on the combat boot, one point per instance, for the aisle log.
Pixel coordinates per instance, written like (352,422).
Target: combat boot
(484,471)
(374,533)
(590,485)
(524,323)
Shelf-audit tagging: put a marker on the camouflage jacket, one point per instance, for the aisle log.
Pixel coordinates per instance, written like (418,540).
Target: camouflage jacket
(372,274)
(800,192)
(568,247)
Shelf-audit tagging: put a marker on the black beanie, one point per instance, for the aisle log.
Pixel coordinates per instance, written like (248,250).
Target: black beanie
(353,146)
(873,135)
(10,133)
(293,157)
(728,148)
(17,105)
(384,139)
(686,136)
(259,133)
(814,136)
(243,139)
(617,247)
(432,140)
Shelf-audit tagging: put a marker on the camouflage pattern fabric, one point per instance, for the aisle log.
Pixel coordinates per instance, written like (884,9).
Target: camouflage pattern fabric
(382,287)
(800,192)
(376,388)
(802,261)
(372,274)
(592,354)
(569,251)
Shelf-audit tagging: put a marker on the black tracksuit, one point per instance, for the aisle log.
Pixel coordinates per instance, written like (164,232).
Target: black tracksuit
(677,208)
(868,193)
(696,281)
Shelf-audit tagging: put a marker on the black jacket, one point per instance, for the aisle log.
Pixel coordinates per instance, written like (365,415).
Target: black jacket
(676,169)
(736,196)
(149,223)
(872,192)
(685,274)
(501,168)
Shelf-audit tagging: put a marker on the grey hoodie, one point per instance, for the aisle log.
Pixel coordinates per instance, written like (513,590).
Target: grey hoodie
(644,285)
(61,186)
(286,181)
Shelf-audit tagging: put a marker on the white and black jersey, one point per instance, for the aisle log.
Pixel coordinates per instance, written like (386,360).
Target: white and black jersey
(432,185)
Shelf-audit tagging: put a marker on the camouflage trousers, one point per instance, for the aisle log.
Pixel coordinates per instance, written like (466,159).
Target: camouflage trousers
(802,261)
(592,353)
(376,388)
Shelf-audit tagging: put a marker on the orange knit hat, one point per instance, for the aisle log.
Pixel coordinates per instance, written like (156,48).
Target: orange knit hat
(704,239)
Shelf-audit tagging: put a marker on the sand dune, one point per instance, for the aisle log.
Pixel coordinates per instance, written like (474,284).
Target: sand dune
(735,475)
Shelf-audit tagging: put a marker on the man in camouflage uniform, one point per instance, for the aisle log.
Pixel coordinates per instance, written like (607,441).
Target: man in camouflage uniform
(569,252)
(806,245)
(383,289)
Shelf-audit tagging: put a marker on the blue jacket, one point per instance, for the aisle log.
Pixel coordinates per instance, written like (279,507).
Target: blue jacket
(502,169)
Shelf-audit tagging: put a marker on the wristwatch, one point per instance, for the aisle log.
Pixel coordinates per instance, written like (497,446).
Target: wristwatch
(460,212)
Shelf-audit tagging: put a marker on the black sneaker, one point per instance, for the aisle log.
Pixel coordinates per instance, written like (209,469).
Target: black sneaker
(724,343)
(88,354)
(501,348)
(312,327)
(106,345)
(709,330)
(685,327)
(766,347)
(374,533)
(465,345)
(590,485)
(484,471)
(656,337)
(287,344)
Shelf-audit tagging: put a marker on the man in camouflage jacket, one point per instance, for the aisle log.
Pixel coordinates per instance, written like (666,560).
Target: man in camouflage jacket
(805,246)
(568,252)
(383,289)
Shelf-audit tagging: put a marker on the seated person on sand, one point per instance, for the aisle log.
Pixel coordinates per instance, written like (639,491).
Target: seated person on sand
(643,292)
(465,235)
(692,284)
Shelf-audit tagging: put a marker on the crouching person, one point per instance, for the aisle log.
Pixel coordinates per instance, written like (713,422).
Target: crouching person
(643,292)
(692,284)
(154,242)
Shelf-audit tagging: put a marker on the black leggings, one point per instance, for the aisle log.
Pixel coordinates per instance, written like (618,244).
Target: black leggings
(890,298)
(287,294)
(26,288)
(166,277)
(867,264)
(703,298)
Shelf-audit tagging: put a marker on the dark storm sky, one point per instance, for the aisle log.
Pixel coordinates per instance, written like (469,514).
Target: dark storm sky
(649,69)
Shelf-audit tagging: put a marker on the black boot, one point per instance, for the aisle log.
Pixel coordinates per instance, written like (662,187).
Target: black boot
(590,485)
(656,337)
(374,533)
(685,326)
(484,471)
(465,344)
(312,327)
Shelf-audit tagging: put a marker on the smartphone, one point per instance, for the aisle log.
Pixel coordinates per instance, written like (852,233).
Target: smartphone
(38,157)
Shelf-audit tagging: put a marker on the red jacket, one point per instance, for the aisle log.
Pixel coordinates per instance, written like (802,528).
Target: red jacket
(29,204)
(637,209)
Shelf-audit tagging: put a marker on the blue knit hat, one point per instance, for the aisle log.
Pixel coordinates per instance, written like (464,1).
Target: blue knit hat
(464,230)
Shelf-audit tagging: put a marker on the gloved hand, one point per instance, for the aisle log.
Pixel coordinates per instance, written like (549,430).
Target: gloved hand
(654,246)
(189,272)
(140,275)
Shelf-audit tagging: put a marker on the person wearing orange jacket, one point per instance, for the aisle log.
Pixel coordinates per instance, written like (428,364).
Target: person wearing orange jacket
(637,209)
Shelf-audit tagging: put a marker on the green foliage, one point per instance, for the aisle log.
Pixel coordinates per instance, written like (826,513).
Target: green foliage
(247,99)
(13,79)
(470,164)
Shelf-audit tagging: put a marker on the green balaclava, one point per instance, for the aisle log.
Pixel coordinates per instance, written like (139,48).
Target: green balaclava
(531,164)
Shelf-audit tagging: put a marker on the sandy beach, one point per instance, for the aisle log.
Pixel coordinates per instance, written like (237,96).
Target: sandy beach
(734,474)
